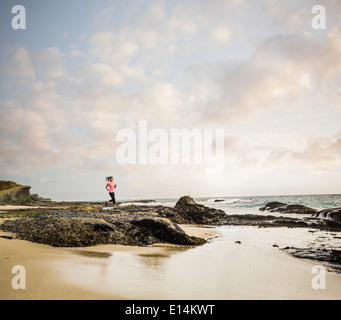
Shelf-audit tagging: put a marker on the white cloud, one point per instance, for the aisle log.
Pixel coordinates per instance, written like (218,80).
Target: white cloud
(20,64)
(284,70)
(178,65)
(49,63)
(220,34)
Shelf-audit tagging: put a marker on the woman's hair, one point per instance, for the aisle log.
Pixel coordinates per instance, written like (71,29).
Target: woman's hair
(108,178)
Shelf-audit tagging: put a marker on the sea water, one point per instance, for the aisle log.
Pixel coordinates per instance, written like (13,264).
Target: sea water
(252,204)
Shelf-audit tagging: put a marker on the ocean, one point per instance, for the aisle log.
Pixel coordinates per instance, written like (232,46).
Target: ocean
(252,204)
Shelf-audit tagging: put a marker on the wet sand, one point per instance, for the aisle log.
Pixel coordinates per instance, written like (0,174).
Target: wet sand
(240,263)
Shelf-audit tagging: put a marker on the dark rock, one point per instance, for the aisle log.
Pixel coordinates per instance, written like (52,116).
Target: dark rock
(166,231)
(333,214)
(332,256)
(79,229)
(288,208)
(185,201)
(272,206)
(189,210)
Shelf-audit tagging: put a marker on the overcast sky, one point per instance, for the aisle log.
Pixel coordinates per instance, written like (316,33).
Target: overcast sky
(84,69)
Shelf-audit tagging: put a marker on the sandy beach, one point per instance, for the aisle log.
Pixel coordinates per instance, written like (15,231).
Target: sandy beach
(238,263)
(15,207)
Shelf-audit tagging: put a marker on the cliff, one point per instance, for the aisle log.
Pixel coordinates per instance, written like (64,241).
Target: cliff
(13,193)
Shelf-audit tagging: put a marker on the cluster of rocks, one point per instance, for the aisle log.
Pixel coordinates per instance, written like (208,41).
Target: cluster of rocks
(324,219)
(86,224)
(329,256)
(79,229)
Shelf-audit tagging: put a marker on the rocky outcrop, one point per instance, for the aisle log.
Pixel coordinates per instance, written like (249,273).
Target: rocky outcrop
(189,210)
(288,208)
(333,214)
(13,193)
(75,229)
(36,198)
(324,218)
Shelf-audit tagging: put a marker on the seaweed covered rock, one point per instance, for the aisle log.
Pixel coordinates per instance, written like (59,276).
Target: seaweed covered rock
(87,208)
(83,229)
(191,211)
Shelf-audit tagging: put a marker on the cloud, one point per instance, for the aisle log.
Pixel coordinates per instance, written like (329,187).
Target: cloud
(49,63)
(20,65)
(231,64)
(283,71)
(220,34)
(320,153)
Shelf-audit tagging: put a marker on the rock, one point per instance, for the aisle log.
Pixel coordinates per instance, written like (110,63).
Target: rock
(163,230)
(331,256)
(42,199)
(34,197)
(184,201)
(90,208)
(288,208)
(189,210)
(272,206)
(333,214)
(13,193)
(76,229)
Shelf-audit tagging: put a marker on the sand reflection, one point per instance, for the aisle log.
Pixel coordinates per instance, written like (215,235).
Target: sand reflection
(159,257)
(93,254)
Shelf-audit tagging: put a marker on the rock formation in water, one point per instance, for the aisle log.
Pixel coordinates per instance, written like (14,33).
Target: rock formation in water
(333,214)
(189,210)
(288,208)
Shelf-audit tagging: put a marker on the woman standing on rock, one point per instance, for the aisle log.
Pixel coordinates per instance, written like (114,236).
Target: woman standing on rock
(110,187)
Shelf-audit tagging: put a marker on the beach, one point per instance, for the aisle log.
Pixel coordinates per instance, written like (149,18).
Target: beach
(237,263)
(54,273)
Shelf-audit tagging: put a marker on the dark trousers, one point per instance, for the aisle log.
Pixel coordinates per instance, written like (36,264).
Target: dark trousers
(112,195)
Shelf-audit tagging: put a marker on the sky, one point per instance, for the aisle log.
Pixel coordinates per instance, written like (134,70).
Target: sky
(82,71)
